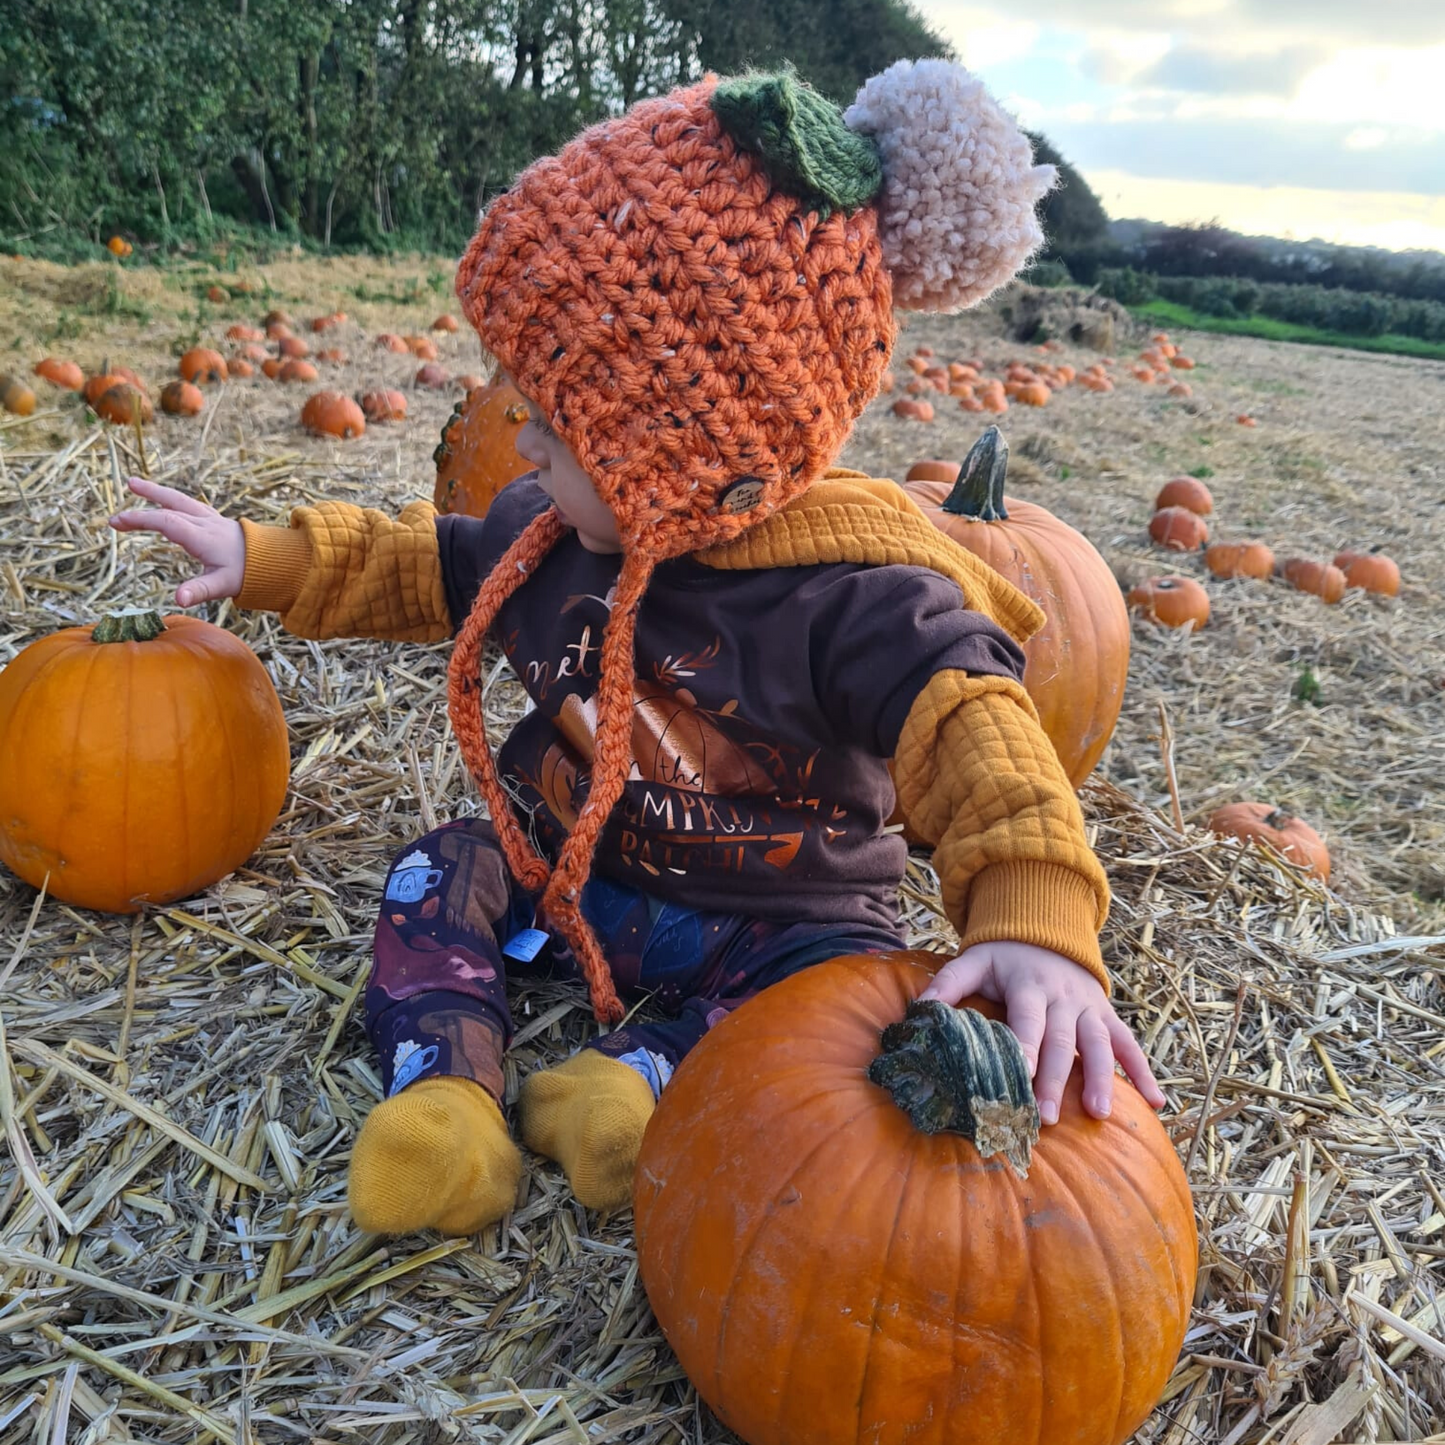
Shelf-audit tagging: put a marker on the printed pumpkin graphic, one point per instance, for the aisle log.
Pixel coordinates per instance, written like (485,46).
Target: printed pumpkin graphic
(674,743)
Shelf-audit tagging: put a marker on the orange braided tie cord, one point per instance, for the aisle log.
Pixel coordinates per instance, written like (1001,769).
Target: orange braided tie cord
(611,763)
(464,692)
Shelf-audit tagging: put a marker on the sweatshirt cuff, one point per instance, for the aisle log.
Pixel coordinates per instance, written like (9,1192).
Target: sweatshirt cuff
(1044,904)
(277,561)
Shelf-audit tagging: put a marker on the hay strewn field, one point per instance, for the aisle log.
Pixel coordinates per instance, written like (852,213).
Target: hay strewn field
(180,1092)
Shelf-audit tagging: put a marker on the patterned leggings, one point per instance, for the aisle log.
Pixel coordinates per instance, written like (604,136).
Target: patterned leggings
(453,918)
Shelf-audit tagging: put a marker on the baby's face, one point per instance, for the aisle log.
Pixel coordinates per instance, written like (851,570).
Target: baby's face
(560,475)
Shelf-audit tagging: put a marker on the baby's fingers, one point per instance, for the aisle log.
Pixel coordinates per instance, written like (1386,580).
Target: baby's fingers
(187,532)
(170,497)
(1135,1062)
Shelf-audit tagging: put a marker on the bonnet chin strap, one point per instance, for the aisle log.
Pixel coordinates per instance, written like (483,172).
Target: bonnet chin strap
(611,764)
(464,692)
(612,757)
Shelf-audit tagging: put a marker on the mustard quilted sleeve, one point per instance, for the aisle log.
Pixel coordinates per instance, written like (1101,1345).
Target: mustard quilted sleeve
(345,571)
(978,778)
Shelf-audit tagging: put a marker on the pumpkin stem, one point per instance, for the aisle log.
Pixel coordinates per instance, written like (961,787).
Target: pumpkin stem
(1278,818)
(128,624)
(978,492)
(952,1068)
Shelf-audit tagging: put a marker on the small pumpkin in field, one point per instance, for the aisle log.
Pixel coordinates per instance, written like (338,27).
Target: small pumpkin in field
(271,367)
(1187,492)
(217,295)
(1078,662)
(1171,601)
(276,317)
(434,377)
(1246,420)
(913,410)
(295,370)
(124,404)
(477,455)
(16,397)
(444,323)
(328,413)
(469,381)
(423,347)
(60,373)
(201,365)
(1177,529)
(1323,580)
(909,1257)
(389,341)
(383,405)
(1239,559)
(119,247)
(1372,571)
(180,398)
(1288,835)
(96,386)
(292,348)
(279,330)
(140,761)
(242,332)
(241,367)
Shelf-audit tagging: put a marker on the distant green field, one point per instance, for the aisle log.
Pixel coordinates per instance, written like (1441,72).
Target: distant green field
(1273,330)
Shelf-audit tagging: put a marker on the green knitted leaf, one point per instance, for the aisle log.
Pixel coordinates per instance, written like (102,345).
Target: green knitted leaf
(801,140)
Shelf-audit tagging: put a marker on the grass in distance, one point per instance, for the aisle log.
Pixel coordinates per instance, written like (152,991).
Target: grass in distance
(1272,330)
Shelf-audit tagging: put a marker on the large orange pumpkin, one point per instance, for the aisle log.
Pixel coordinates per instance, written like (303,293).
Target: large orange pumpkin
(1078,663)
(830,1268)
(477,455)
(139,761)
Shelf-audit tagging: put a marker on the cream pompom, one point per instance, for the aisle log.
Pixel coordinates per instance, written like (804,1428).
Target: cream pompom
(956,212)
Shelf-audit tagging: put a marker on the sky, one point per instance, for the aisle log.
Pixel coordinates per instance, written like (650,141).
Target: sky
(1296,118)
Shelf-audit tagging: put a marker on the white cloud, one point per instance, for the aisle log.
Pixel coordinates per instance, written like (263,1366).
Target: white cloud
(1366,138)
(983,35)
(1377,85)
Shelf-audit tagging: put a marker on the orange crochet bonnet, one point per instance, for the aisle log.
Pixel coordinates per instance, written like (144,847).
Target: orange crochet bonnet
(699,297)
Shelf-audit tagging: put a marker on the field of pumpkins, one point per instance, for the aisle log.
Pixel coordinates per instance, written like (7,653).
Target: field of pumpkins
(1239,547)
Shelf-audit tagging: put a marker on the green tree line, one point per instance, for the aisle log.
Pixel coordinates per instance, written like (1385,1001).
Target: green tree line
(359,122)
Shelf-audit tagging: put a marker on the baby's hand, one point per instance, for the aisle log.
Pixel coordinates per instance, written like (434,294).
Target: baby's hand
(216,542)
(1056,1008)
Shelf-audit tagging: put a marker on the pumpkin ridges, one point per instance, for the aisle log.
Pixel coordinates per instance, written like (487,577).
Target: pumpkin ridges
(813,1287)
(1086,623)
(93,824)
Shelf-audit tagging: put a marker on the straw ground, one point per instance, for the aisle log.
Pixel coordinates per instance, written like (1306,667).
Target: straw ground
(180,1091)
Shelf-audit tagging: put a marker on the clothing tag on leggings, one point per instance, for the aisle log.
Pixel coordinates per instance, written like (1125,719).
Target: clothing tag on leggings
(525,944)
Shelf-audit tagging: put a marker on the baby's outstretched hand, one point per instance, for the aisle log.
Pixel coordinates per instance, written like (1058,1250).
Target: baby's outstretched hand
(1056,1008)
(216,542)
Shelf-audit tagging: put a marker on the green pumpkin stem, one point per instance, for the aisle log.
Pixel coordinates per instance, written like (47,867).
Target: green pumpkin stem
(130,624)
(953,1069)
(978,492)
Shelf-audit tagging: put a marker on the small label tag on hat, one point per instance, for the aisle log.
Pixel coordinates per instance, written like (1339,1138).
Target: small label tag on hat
(742,496)
(524,945)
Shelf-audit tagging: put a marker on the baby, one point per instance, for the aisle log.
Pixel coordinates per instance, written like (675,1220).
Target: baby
(725,636)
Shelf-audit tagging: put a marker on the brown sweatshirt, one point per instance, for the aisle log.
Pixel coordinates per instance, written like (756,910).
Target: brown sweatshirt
(774,678)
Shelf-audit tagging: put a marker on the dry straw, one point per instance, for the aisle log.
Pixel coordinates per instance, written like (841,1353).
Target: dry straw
(181,1091)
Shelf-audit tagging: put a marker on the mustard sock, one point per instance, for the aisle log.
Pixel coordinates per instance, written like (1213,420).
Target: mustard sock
(588,1114)
(438,1154)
